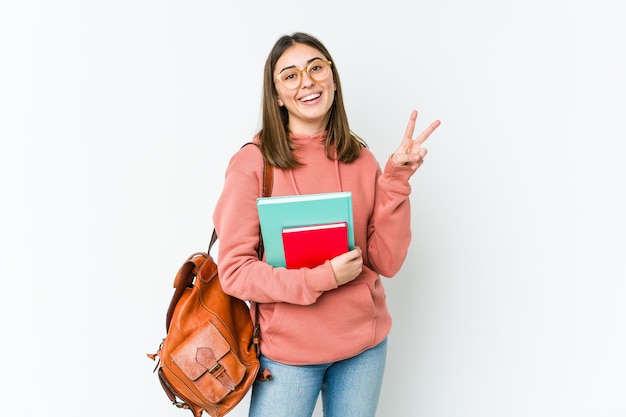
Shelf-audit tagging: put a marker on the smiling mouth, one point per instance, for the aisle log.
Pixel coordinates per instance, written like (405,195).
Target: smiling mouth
(310,97)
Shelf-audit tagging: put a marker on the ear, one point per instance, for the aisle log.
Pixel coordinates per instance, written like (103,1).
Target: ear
(280,102)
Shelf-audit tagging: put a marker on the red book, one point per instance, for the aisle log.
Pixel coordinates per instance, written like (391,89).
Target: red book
(310,246)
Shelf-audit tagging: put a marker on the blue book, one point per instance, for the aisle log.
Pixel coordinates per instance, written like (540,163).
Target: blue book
(278,213)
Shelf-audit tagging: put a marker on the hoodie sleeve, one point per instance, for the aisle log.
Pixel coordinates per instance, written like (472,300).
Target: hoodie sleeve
(236,221)
(389,229)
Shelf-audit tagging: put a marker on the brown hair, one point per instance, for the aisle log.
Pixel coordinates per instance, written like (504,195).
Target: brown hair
(274,133)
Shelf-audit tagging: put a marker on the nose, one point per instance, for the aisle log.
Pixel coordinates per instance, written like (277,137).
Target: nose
(306,80)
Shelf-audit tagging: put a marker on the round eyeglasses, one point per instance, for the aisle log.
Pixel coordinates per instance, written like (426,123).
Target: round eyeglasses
(291,78)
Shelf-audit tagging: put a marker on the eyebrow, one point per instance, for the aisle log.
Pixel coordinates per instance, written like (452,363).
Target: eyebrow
(293,66)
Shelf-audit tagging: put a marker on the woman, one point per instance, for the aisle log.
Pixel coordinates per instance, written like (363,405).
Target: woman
(324,329)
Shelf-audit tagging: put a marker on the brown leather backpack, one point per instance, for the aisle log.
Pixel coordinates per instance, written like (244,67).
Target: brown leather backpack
(208,360)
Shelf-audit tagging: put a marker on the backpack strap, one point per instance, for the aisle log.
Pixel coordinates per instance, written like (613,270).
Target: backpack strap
(268,185)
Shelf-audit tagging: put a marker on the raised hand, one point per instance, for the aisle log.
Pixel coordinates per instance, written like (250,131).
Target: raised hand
(410,151)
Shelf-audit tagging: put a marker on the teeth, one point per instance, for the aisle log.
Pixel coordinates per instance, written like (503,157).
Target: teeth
(310,97)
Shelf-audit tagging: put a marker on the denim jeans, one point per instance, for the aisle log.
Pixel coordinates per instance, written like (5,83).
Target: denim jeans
(349,388)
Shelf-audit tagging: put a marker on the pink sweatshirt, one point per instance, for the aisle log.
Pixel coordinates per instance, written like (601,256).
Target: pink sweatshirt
(305,317)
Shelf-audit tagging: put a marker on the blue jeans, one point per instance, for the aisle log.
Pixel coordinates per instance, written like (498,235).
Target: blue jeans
(350,388)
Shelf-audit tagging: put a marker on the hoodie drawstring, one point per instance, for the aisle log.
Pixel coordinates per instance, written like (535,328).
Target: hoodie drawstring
(338,177)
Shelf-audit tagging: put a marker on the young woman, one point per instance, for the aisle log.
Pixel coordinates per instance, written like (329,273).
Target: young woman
(324,329)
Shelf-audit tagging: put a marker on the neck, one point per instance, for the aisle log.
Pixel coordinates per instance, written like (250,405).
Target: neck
(308,129)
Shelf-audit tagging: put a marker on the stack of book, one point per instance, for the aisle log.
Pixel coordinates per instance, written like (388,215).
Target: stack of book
(306,230)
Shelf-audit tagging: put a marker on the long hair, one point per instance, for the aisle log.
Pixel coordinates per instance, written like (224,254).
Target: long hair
(274,134)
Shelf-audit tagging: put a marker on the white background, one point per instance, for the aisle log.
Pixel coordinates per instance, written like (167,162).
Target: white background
(117,119)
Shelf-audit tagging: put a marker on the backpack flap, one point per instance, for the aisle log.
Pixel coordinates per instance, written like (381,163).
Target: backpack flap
(206,359)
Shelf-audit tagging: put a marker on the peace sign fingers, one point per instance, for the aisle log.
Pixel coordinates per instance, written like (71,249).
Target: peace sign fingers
(426,133)
(410,151)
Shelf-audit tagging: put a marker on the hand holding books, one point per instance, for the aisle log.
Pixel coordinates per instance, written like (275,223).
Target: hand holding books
(347,266)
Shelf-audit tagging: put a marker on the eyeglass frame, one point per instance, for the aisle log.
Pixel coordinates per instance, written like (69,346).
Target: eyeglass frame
(301,70)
